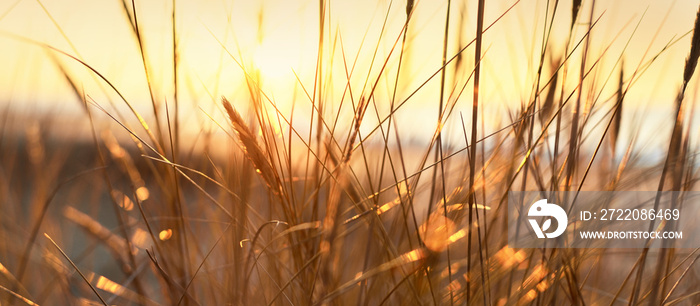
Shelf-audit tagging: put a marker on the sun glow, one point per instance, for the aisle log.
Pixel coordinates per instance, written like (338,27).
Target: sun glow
(275,61)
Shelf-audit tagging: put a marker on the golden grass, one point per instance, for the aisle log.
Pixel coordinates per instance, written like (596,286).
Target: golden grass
(335,210)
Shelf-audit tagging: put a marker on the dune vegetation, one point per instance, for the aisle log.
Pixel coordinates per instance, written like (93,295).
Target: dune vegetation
(365,183)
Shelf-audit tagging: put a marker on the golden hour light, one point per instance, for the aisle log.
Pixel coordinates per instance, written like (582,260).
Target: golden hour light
(122,200)
(275,62)
(407,152)
(165,234)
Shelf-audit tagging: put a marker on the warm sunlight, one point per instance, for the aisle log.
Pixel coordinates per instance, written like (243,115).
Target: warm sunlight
(280,38)
(368,152)
(274,62)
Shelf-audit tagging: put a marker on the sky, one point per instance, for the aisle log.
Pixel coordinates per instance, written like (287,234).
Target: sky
(278,42)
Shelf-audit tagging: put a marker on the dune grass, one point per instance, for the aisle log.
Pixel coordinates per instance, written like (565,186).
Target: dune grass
(331,203)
